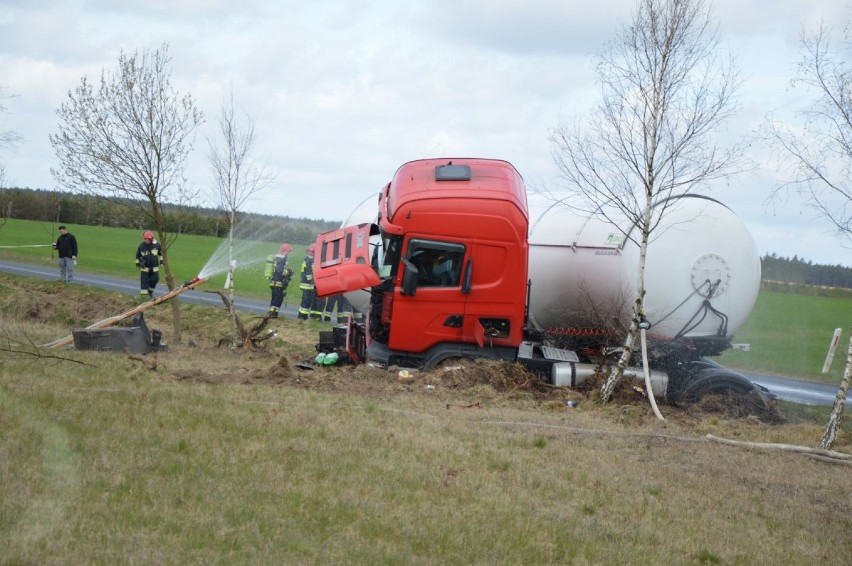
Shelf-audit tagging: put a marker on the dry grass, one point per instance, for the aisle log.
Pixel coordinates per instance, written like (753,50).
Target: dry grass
(219,457)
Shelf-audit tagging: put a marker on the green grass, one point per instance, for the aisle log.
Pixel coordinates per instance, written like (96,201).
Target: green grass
(790,334)
(104,462)
(98,468)
(112,251)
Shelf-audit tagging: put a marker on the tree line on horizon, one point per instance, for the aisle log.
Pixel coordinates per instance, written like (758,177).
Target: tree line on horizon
(803,272)
(69,208)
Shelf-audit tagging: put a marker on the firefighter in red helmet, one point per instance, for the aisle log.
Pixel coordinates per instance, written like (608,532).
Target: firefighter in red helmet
(148,259)
(310,307)
(279,274)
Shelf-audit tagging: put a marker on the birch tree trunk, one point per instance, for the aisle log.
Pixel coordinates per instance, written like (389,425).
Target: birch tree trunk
(237,334)
(617,373)
(830,434)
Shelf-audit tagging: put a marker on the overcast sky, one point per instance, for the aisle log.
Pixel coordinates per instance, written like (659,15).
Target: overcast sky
(343,92)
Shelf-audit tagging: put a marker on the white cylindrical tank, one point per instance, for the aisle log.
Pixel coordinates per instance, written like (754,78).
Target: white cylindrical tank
(702,272)
(366,211)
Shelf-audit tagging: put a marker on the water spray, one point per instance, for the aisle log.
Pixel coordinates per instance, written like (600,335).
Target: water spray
(249,248)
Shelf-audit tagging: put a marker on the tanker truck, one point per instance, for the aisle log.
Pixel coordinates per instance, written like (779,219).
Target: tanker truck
(452,261)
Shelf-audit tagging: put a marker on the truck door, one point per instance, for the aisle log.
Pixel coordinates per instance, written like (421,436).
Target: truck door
(342,262)
(432,311)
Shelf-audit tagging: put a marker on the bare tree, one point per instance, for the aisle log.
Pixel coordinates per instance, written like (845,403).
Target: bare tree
(654,134)
(128,141)
(8,140)
(237,178)
(817,158)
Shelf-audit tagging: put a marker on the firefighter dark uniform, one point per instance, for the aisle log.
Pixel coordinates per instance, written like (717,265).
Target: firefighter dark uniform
(310,306)
(344,309)
(148,259)
(279,274)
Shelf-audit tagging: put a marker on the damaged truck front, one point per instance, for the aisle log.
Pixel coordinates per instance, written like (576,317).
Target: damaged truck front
(447,266)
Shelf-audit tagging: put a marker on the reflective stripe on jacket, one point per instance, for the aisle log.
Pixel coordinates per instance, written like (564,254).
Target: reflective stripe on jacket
(306,283)
(148,256)
(277,270)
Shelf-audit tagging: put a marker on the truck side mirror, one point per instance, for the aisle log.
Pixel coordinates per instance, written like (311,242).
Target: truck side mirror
(409,278)
(468,276)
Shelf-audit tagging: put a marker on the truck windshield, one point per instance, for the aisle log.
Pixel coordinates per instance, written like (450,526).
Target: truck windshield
(388,254)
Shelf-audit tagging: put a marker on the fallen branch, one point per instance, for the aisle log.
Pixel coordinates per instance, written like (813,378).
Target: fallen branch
(829,460)
(39,354)
(818,453)
(150,362)
(250,339)
(36,352)
(476,405)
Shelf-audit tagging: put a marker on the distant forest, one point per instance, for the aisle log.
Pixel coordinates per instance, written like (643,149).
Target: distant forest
(69,208)
(799,271)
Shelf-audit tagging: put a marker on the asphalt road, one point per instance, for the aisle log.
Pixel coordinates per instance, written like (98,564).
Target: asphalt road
(788,389)
(798,390)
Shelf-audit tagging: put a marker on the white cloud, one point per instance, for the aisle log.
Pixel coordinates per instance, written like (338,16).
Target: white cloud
(343,92)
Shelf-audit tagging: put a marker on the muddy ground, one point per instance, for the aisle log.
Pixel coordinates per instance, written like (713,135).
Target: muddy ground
(489,379)
(462,385)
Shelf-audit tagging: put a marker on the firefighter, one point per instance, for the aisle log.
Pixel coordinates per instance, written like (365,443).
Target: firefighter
(344,309)
(148,259)
(310,306)
(279,274)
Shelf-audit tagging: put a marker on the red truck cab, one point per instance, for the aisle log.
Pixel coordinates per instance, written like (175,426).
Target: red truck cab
(446,263)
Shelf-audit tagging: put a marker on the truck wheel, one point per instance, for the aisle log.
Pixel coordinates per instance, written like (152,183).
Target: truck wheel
(737,394)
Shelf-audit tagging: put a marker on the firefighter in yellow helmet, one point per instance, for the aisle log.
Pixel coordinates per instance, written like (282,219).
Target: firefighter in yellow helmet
(279,274)
(148,259)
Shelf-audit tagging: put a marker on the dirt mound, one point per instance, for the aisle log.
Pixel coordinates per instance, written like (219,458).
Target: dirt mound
(57,302)
(482,379)
(739,406)
(502,376)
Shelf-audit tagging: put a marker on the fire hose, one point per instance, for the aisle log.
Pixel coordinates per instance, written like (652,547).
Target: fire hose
(643,326)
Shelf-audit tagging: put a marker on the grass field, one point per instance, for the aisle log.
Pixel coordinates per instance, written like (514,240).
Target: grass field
(223,457)
(790,334)
(112,251)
